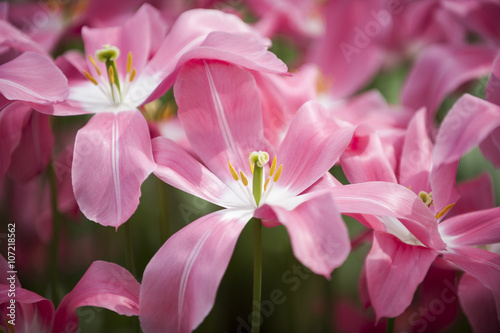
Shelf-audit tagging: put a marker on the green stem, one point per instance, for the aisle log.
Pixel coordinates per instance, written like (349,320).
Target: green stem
(390,325)
(162,203)
(129,245)
(56,218)
(257,275)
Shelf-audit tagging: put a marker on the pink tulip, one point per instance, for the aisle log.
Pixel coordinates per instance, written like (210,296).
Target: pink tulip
(223,126)
(113,151)
(400,257)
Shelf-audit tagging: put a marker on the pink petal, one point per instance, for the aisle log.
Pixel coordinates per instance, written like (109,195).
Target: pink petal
(219,107)
(391,200)
(394,270)
(33,312)
(480,264)
(416,163)
(210,34)
(33,78)
(12,120)
(468,123)
(475,194)
(181,280)
(442,69)
(282,96)
(105,285)
(345,53)
(112,158)
(14,38)
(312,145)
(479,306)
(179,169)
(364,159)
(474,228)
(490,147)
(317,232)
(493,85)
(34,151)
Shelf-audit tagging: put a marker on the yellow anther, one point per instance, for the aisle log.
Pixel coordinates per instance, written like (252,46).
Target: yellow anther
(266,183)
(233,172)
(251,167)
(111,74)
(278,174)
(129,62)
(273,167)
(90,77)
(132,75)
(95,65)
(244,179)
(444,211)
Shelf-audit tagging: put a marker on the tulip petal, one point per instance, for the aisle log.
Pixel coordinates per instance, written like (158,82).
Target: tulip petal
(478,304)
(34,78)
(442,69)
(179,169)
(222,124)
(480,264)
(474,228)
(467,124)
(34,151)
(391,200)
(416,161)
(12,120)
(394,270)
(317,232)
(312,145)
(181,280)
(105,285)
(112,158)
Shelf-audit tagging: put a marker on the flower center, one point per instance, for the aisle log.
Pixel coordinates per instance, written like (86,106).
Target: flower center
(259,189)
(111,87)
(426,198)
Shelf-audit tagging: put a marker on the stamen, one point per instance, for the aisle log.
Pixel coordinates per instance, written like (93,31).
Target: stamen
(132,75)
(244,179)
(95,65)
(444,211)
(90,77)
(129,62)
(273,167)
(266,183)
(111,74)
(251,167)
(233,172)
(278,174)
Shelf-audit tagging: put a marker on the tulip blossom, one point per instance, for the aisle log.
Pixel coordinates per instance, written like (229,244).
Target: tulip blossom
(224,126)
(104,285)
(126,67)
(399,258)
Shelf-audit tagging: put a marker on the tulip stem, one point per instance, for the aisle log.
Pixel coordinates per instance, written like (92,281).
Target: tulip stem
(390,325)
(162,204)
(129,244)
(54,244)
(257,276)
